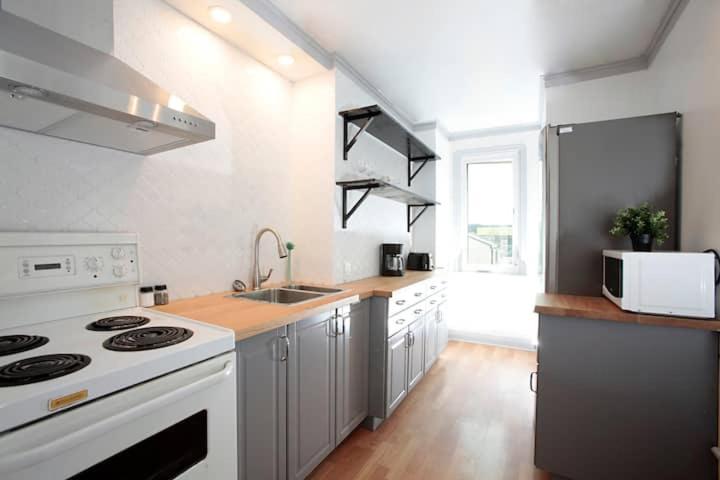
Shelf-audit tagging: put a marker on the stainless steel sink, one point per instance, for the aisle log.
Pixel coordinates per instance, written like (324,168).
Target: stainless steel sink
(278,295)
(313,288)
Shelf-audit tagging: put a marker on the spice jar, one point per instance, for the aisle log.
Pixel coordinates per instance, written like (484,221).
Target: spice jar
(147,299)
(161,295)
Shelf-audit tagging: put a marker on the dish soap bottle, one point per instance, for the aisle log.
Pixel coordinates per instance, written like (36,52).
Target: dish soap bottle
(290,247)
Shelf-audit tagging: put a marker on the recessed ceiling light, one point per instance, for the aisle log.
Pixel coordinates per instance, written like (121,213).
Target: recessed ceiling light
(219,14)
(286,60)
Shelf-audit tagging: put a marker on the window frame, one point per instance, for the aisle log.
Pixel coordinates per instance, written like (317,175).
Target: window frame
(517,155)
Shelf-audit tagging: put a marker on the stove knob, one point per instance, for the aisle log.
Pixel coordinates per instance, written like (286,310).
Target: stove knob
(94,264)
(119,271)
(118,253)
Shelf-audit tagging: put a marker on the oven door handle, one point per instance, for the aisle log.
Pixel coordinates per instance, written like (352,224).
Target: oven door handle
(33,455)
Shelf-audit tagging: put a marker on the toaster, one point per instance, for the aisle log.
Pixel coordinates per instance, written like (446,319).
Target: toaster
(419,261)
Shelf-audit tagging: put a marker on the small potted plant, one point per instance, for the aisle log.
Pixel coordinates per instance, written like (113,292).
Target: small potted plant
(643,224)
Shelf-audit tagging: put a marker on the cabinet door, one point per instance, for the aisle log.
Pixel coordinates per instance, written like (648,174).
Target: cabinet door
(353,345)
(442,328)
(431,337)
(397,361)
(311,393)
(416,353)
(261,407)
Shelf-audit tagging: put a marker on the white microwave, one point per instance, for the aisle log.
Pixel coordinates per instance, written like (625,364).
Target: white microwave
(665,283)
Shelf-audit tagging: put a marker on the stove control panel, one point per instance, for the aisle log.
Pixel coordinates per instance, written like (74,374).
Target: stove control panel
(49,262)
(41,267)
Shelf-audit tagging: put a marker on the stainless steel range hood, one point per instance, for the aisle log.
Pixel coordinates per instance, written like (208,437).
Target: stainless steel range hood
(56,86)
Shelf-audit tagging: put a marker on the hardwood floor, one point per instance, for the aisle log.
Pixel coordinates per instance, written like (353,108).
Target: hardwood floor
(471,417)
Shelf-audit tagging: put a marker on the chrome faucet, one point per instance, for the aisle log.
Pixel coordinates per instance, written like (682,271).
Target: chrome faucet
(258,279)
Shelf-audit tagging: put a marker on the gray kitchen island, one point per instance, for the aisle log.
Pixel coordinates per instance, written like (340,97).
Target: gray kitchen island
(624,396)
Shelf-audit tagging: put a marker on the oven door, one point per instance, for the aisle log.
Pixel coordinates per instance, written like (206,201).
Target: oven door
(179,426)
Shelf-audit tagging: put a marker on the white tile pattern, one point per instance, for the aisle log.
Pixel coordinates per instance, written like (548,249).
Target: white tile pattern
(196,208)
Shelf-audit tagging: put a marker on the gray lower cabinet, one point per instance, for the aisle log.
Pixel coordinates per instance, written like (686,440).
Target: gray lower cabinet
(397,368)
(353,350)
(311,393)
(442,327)
(261,404)
(625,401)
(431,338)
(301,390)
(416,353)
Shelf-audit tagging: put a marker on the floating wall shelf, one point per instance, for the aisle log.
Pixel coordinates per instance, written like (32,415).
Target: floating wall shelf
(385,128)
(383,189)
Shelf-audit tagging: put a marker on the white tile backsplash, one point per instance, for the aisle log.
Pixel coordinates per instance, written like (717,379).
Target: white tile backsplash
(197,208)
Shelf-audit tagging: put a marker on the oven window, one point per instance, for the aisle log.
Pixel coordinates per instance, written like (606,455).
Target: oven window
(613,276)
(163,456)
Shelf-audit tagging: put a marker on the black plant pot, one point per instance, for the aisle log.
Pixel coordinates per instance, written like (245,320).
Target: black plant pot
(642,243)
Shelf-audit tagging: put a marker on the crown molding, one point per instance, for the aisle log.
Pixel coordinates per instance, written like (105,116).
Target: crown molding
(667,23)
(597,71)
(433,125)
(494,131)
(280,22)
(641,62)
(357,77)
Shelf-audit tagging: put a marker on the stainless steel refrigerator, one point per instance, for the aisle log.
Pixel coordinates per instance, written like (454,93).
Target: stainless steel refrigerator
(590,171)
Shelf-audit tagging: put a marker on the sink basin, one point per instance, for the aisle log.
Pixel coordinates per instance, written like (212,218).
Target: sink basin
(278,295)
(313,288)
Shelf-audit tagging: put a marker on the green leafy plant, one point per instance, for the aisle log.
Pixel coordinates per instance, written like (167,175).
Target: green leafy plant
(643,219)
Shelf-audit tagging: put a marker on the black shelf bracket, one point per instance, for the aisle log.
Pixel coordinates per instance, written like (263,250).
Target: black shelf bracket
(410,219)
(347,145)
(346,214)
(424,159)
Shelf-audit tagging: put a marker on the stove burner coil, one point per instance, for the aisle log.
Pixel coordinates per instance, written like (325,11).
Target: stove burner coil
(10,344)
(147,338)
(124,322)
(41,368)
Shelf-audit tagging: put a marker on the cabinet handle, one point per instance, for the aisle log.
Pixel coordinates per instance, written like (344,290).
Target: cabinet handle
(332,327)
(418,294)
(433,287)
(433,302)
(407,340)
(533,386)
(400,302)
(412,336)
(418,311)
(400,321)
(286,350)
(342,322)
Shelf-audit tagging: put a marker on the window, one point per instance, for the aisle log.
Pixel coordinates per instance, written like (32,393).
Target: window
(492,214)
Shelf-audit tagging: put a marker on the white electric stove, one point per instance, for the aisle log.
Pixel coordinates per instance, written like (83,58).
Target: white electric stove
(91,385)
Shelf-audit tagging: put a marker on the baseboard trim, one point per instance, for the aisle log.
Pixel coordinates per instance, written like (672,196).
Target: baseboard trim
(494,340)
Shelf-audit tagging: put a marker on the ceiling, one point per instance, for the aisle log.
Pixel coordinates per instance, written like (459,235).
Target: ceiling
(474,64)
(252,34)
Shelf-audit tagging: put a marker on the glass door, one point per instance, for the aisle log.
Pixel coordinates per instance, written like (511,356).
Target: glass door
(491,220)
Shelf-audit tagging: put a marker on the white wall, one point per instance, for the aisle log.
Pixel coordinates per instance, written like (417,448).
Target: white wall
(313,177)
(491,307)
(530,241)
(378,220)
(432,232)
(196,209)
(87,21)
(684,77)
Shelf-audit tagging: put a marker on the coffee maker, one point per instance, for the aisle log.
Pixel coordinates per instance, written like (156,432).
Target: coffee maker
(392,263)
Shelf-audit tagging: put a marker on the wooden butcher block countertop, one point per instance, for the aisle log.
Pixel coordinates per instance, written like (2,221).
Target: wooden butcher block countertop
(249,318)
(600,308)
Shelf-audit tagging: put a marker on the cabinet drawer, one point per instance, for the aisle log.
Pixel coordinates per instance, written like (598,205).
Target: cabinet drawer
(405,318)
(406,297)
